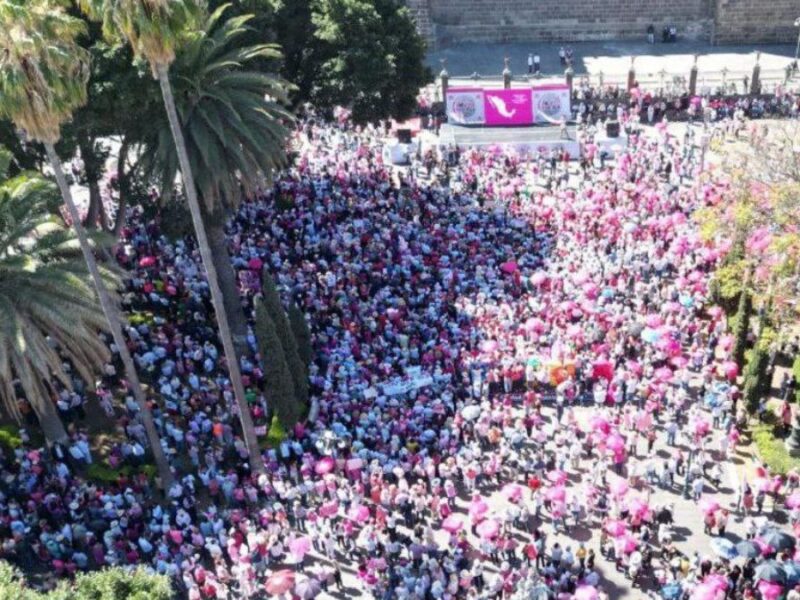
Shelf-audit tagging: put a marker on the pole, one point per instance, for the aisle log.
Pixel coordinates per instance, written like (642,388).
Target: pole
(686,477)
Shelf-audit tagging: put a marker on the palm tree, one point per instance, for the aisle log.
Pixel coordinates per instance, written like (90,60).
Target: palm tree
(50,310)
(153,29)
(233,119)
(43,76)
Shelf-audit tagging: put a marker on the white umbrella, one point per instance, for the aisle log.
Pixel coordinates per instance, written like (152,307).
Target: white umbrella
(471,412)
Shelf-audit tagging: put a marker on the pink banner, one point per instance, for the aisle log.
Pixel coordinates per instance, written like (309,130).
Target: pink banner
(508,107)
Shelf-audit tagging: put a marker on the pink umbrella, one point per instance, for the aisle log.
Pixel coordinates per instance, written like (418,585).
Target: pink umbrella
(616,528)
(534,325)
(626,544)
(707,591)
(701,426)
(726,342)
(599,423)
(679,362)
(359,514)
(769,590)
(147,261)
(512,492)
(509,266)
(717,580)
(279,582)
(354,464)
(715,312)
(793,501)
(634,367)
(329,509)
(615,442)
(664,374)
(637,506)
(478,509)
(488,529)
(557,477)
(489,346)
(324,466)
(299,547)
(453,523)
(556,494)
(586,592)
(538,278)
(671,307)
(708,506)
(731,369)
(654,321)
(618,487)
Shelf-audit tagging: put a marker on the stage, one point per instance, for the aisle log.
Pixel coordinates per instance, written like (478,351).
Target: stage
(529,138)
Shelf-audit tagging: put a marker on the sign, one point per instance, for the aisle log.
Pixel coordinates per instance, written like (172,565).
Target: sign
(551,104)
(466,106)
(508,107)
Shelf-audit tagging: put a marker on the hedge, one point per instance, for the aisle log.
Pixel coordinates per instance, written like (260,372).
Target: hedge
(771,448)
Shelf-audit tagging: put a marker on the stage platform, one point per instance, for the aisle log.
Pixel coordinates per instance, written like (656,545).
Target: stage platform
(542,138)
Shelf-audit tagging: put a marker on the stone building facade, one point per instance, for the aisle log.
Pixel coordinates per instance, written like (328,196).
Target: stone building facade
(444,22)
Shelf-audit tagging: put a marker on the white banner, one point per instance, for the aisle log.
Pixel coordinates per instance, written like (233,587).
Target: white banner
(465,107)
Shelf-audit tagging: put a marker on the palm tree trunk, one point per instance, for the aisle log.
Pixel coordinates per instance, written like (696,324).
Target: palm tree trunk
(248,431)
(112,316)
(227,283)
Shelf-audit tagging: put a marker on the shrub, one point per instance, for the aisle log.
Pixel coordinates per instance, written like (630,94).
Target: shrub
(771,448)
(796,373)
(9,437)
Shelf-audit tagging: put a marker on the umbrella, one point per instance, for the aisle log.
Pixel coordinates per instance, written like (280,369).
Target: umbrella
(279,582)
(748,549)
(324,466)
(509,266)
(792,570)
(512,492)
(306,588)
(453,523)
(778,540)
(556,494)
(708,506)
(489,346)
(664,374)
(586,592)
(353,464)
(478,509)
(488,529)
(718,580)
(637,506)
(672,591)
(300,547)
(771,571)
(329,509)
(557,477)
(359,513)
(147,261)
(769,590)
(706,591)
(793,501)
(724,548)
(471,412)
(615,442)
(618,487)
(616,528)
(599,423)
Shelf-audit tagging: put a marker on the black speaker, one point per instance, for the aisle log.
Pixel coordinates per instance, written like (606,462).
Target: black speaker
(612,129)
(404,136)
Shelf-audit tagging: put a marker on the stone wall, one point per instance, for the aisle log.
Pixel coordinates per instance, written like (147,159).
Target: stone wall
(452,21)
(756,21)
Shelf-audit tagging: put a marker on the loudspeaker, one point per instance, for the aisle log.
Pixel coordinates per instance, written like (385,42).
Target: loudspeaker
(404,136)
(612,129)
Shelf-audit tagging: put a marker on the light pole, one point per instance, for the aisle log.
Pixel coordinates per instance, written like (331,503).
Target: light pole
(797,48)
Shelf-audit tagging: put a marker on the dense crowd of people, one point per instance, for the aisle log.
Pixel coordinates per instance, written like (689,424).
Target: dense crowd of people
(500,347)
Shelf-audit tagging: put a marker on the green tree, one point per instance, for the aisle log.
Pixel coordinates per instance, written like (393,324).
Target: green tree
(756,380)
(741,327)
(298,369)
(108,584)
(234,136)
(368,56)
(45,293)
(154,28)
(43,77)
(302,335)
(280,393)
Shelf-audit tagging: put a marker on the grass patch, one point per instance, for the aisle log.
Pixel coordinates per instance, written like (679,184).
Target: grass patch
(103,473)
(771,448)
(275,435)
